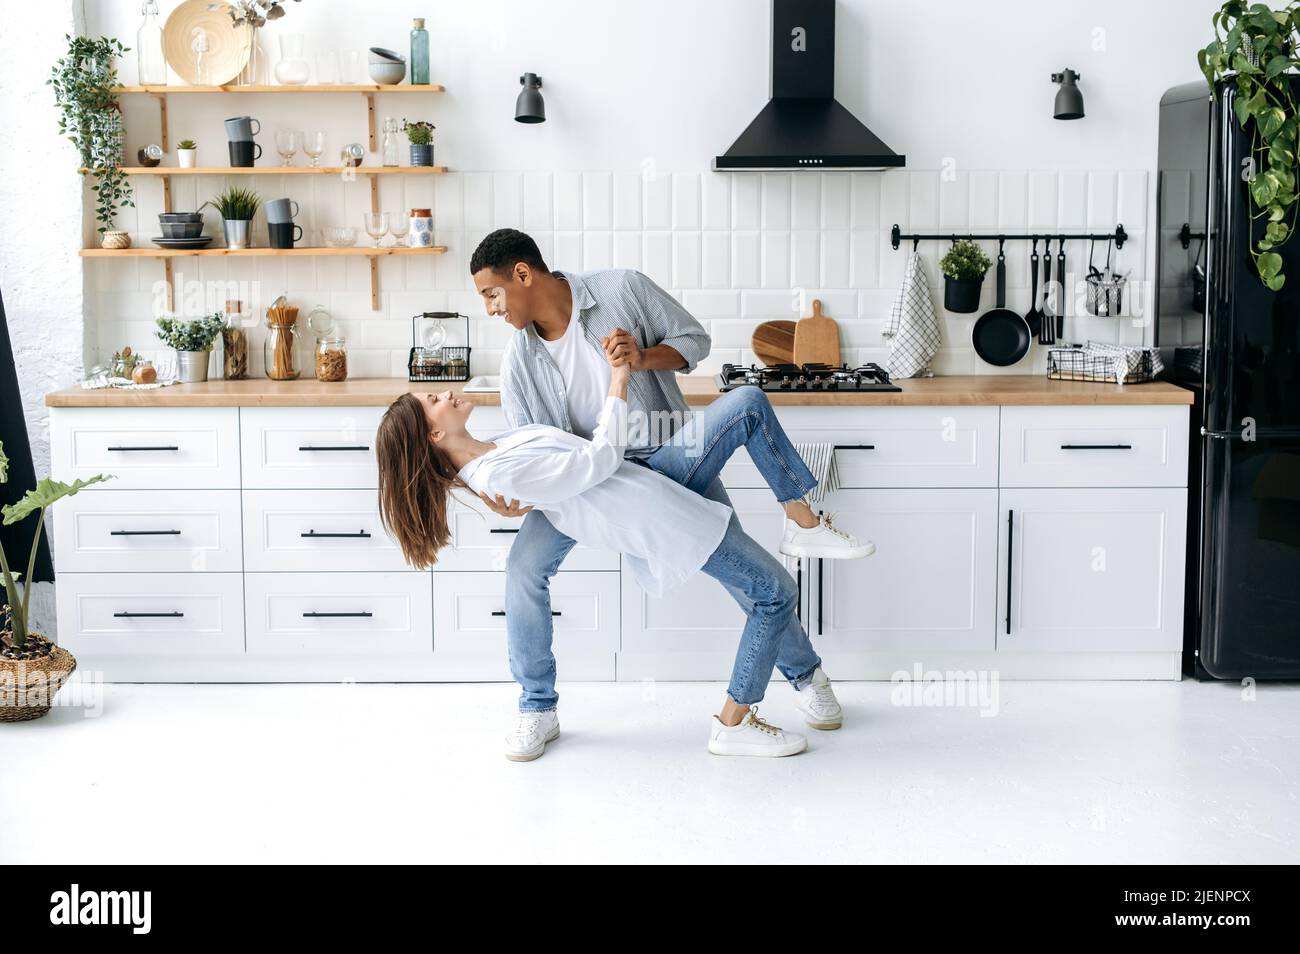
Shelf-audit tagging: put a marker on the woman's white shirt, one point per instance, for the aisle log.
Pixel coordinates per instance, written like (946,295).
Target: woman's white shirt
(591,494)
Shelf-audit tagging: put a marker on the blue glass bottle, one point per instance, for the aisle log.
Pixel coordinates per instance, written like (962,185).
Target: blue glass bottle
(419,54)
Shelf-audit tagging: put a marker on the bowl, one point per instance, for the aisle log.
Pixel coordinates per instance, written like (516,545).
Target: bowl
(181,230)
(379,53)
(386,72)
(180,216)
(340,236)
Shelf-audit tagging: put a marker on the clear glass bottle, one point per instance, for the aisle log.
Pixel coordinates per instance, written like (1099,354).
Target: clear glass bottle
(151,68)
(391,150)
(419,54)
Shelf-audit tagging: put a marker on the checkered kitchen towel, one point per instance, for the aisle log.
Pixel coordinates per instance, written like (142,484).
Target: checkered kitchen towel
(913,332)
(820,459)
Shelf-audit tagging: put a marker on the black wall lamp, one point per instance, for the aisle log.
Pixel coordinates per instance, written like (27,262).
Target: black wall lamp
(1069,101)
(530,107)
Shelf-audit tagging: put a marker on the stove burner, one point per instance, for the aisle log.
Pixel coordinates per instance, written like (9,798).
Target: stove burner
(807,377)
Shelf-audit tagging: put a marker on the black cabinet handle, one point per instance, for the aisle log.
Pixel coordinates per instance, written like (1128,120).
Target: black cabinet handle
(311,447)
(503,613)
(819,595)
(167,447)
(312,614)
(128,615)
(855,447)
(503,530)
(360,534)
(1096,447)
(1011,524)
(144,533)
(798,578)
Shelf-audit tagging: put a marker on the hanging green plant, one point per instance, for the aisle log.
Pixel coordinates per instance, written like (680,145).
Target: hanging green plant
(89,115)
(1258,45)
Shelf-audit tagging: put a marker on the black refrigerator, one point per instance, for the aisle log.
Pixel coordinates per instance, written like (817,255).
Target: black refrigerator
(1234,344)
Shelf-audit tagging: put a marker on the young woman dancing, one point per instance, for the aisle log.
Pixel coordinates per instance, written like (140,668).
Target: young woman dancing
(589,492)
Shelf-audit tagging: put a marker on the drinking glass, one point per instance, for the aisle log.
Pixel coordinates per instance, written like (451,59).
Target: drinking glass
(398,225)
(327,68)
(287,143)
(376,225)
(349,66)
(314,145)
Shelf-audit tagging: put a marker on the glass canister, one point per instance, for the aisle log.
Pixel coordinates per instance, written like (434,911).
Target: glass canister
(331,358)
(234,340)
(281,347)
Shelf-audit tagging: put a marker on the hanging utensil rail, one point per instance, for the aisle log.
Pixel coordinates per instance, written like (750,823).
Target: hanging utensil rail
(896,236)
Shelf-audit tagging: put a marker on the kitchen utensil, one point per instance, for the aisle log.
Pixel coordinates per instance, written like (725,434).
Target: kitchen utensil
(1034,317)
(339,236)
(385,72)
(429,359)
(181,230)
(806,378)
(773,342)
(224,50)
(283,234)
(1001,336)
(240,128)
(162,241)
(244,154)
(1061,302)
(817,339)
(1105,290)
(281,210)
(1047,329)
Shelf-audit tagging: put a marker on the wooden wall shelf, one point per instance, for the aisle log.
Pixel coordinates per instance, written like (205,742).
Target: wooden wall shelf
(298,252)
(283,170)
(269,88)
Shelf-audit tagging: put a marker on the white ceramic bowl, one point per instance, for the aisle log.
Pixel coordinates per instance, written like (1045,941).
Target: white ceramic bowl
(340,236)
(387,73)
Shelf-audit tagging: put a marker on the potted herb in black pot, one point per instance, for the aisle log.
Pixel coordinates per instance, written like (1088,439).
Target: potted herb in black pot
(421,137)
(963,268)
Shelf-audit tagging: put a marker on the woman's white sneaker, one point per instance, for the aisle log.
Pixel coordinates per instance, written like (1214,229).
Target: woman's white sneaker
(754,737)
(818,704)
(823,542)
(532,730)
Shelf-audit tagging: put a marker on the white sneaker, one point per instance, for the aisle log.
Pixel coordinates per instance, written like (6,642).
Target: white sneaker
(818,703)
(823,542)
(754,737)
(527,740)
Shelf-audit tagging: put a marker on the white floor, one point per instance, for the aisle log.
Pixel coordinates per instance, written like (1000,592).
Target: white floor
(1093,772)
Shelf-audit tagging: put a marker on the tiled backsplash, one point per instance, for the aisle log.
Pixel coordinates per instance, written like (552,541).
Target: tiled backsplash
(735,248)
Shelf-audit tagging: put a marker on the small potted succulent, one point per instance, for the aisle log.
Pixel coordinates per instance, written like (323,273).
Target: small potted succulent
(186,150)
(192,338)
(237,207)
(421,137)
(964,267)
(32,668)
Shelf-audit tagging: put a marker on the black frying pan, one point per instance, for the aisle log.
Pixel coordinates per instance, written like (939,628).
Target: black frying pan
(1001,336)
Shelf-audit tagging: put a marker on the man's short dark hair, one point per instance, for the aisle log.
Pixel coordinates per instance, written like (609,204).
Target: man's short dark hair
(501,249)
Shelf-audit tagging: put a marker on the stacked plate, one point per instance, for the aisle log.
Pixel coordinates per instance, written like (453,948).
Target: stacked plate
(181,230)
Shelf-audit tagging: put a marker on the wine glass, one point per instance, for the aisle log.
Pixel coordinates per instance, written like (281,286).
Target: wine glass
(287,143)
(376,225)
(398,226)
(313,144)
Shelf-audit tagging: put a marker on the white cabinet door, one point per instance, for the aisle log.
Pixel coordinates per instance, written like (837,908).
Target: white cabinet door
(1092,570)
(308,530)
(1094,446)
(470,625)
(339,613)
(284,447)
(930,583)
(481,540)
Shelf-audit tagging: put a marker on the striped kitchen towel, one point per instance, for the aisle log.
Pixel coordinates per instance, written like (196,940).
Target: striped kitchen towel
(820,459)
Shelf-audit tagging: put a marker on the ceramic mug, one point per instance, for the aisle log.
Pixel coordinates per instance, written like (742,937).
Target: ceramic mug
(242,154)
(240,128)
(284,234)
(281,210)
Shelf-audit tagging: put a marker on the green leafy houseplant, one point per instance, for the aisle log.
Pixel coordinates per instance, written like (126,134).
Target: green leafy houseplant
(186,144)
(965,261)
(190,334)
(419,134)
(235,204)
(1258,45)
(89,115)
(37,500)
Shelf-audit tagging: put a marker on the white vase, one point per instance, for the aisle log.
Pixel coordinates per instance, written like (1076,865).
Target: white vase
(186,157)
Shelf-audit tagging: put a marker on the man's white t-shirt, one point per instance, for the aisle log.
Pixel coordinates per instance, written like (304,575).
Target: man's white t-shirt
(585,371)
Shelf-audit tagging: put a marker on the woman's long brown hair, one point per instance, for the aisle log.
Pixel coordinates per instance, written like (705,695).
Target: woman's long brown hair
(415,480)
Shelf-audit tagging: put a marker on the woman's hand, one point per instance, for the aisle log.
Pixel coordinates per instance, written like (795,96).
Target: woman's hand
(619,375)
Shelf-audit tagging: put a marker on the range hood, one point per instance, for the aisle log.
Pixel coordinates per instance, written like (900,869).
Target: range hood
(802,126)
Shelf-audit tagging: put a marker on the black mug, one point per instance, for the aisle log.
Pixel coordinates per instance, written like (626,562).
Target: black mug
(283,234)
(242,155)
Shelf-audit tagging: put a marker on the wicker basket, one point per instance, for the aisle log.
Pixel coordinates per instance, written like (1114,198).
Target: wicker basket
(29,680)
(115,239)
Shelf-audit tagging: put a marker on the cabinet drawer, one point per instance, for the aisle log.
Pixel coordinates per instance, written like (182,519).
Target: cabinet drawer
(481,540)
(1094,446)
(470,623)
(286,447)
(148,448)
(349,613)
(150,614)
(893,446)
(307,530)
(149,531)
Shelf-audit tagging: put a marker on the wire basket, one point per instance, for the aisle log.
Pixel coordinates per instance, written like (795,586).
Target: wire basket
(440,363)
(1095,361)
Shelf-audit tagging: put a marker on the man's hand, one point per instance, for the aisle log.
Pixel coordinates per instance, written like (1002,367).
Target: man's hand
(503,509)
(621,348)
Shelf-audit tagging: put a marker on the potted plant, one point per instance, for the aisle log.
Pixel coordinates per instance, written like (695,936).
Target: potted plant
(192,338)
(32,668)
(89,115)
(963,268)
(1257,47)
(421,137)
(237,207)
(185,153)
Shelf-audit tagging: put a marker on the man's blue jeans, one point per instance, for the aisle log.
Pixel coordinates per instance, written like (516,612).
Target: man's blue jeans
(755,579)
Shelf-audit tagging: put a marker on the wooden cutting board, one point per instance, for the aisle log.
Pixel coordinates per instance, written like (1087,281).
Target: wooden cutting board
(817,339)
(773,342)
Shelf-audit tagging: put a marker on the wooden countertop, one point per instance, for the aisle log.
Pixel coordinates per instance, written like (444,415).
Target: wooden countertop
(979,389)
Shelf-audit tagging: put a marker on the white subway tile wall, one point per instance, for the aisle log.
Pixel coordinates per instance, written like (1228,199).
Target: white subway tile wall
(735,248)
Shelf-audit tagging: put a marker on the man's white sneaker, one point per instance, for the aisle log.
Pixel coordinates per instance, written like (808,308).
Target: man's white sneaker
(818,703)
(823,542)
(527,740)
(754,737)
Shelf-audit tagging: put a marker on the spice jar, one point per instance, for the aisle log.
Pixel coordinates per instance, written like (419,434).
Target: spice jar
(281,351)
(144,372)
(331,358)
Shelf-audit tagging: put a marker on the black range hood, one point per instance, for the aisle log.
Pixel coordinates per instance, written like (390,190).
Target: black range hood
(802,126)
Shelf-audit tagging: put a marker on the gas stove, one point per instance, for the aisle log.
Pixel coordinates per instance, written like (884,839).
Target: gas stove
(807,377)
